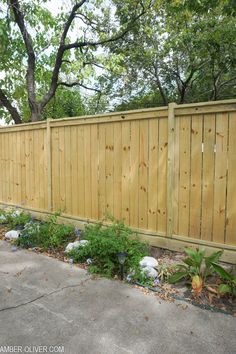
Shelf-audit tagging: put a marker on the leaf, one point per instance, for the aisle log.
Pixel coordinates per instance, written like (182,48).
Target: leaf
(224,289)
(214,257)
(222,272)
(197,284)
(177,277)
(189,261)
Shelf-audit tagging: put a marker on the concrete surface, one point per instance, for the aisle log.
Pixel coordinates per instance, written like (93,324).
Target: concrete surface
(47,302)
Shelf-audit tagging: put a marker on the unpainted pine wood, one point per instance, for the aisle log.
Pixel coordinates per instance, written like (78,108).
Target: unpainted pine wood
(143,174)
(153,174)
(42,168)
(162,174)
(3,167)
(176,179)
(36,157)
(23,167)
(208,177)
(184,174)
(10,167)
(67,156)
(125,189)
(231,184)
(55,169)
(134,174)
(45,170)
(117,170)
(81,162)
(62,190)
(32,164)
(17,168)
(7,167)
(102,172)
(94,170)
(27,168)
(220,177)
(170,169)
(87,171)
(74,169)
(109,173)
(196,177)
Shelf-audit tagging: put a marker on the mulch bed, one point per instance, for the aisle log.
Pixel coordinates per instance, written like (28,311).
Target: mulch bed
(208,299)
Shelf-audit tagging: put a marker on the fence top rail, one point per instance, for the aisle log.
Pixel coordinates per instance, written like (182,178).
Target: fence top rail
(156,112)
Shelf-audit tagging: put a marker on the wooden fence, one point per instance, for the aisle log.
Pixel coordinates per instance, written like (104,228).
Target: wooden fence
(169,172)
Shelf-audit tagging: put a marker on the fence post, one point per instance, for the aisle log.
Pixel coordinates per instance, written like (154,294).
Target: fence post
(49,165)
(170,167)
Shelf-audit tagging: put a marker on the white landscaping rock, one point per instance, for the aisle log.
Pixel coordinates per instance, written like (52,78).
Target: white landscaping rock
(150,272)
(12,235)
(76,244)
(148,262)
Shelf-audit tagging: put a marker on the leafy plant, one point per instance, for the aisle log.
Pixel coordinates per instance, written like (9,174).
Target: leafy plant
(14,218)
(104,244)
(46,235)
(196,268)
(164,272)
(229,285)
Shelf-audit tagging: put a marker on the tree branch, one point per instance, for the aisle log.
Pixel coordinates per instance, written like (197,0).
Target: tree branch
(4,102)
(60,52)
(19,18)
(72,84)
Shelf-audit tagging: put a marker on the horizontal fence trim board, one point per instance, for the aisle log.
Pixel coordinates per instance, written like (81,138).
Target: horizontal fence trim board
(113,114)
(104,120)
(207,103)
(19,128)
(182,111)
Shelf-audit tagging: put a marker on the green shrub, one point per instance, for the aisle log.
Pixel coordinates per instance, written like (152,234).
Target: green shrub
(46,235)
(104,244)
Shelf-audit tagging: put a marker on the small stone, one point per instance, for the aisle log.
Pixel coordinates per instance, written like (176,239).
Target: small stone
(148,262)
(76,244)
(150,272)
(12,235)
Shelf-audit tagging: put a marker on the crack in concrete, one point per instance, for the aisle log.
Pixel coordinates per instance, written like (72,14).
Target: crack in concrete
(45,295)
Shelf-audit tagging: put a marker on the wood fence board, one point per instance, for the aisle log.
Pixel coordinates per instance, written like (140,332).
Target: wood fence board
(134,174)
(221,151)
(153,175)
(143,174)
(208,177)
(176,179)
(196,177)
(87,172)
(80,171)
(109,173)
(94,170)
(184,175)
(125,186)
(102,172)
(231,184)
(162,175)
(117,170)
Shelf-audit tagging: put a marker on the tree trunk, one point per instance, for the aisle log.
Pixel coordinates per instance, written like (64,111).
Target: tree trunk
(36,111)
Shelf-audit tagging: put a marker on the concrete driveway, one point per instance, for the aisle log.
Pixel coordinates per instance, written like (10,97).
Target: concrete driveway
(48,306)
